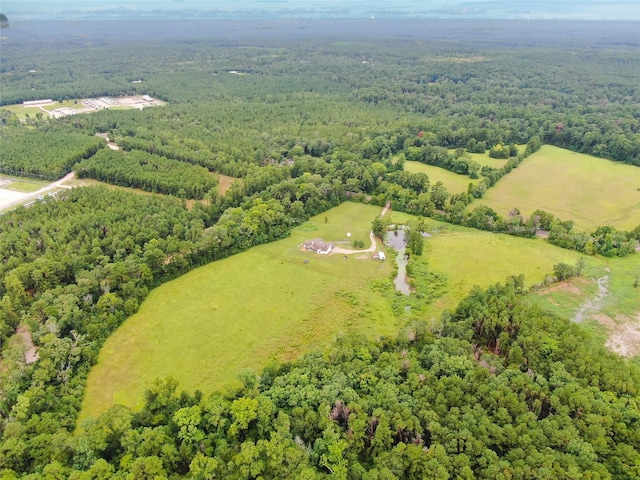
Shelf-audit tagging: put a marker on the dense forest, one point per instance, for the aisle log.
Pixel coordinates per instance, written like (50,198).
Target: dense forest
(498,389)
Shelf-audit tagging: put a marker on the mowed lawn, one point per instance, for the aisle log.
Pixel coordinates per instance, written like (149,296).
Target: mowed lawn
(272,302)
(590,191)
(455,183)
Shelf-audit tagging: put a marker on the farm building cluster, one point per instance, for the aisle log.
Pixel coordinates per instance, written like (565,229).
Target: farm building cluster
(93,104)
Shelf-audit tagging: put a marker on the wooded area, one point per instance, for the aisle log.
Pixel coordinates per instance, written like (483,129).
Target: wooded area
(498,389)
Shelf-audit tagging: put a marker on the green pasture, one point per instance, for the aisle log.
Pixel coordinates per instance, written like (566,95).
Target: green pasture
(26,187)
(623,299)
(277,301)
(23,185)
(484,159)
(468,257)
(588,190)
(73,104)
(616,318)
(21,112)
(454,182)
(265,304)
(471,257)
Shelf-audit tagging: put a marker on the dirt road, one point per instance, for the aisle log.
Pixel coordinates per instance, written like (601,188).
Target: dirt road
(345,251)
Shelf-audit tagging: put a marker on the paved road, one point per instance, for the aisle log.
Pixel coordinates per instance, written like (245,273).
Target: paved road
(44,190)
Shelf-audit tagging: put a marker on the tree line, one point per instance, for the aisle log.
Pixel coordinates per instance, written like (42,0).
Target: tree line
(500,389)
(153,173)
(47,153)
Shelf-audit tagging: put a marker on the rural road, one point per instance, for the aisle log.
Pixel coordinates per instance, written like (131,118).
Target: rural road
(345,251)
(32,196)
(374,245)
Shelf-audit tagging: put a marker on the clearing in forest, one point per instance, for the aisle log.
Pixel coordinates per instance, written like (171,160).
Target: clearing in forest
(272,302)
(468,257)
(605,299)
(64,108)
(225,182)
(276,301)
(454,182)
(590,191)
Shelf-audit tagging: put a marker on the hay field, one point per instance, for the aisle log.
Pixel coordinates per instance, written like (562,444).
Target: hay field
(455,183)
(264,304)
(588,190)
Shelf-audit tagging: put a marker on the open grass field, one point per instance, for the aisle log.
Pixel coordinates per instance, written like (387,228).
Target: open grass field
(468,257)
(611,309)
(455,183)
(485,159)
(19,184)
(73,104)
(21,112)
(267,303)
(588,190)
(119,103)
(25,186)
(15,191)
(241,312)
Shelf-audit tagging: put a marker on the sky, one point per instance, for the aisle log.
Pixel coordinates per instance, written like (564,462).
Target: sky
(21,10)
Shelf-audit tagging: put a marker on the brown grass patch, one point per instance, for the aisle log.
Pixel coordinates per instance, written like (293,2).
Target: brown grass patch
(568,286)
(225,182)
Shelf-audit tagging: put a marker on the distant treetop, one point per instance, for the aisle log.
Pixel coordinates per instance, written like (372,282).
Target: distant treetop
(4,21)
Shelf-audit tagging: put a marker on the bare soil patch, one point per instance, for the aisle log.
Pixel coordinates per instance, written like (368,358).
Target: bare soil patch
(31,355)
(568,286)
(624,334)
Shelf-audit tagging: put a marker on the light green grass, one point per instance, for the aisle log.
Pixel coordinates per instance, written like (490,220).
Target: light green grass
(485,159)
(455,183)
(75,105)
(471,257)
(588,190)
(617,315)
(207,326)
(623,299)
(25,186)
(21,112)
(268,304)
(22,184)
